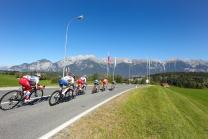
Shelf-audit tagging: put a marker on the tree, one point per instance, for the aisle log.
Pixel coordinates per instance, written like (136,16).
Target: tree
(118,79)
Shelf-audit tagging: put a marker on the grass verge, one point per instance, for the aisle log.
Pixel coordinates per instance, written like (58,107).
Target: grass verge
(8,81)
(149,112)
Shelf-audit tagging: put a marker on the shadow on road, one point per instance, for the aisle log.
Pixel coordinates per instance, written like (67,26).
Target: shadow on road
(33,102)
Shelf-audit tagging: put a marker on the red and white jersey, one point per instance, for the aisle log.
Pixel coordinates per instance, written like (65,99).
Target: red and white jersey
(105,80)
(68,79)
(84,79)
(32,79)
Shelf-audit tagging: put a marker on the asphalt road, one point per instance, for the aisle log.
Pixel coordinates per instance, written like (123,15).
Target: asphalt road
(34,121)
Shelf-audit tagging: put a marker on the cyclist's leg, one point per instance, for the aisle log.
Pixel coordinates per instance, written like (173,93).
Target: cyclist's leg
(62,83)
(25,83)
(72,84)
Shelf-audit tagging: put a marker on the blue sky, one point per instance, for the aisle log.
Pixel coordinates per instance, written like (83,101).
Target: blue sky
(31,30)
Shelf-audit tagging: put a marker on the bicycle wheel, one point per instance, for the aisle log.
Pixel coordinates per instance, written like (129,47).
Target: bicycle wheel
(36,96)
(73,93)
(98,88)
(94,89)
(79,92)
(69,95)
(54,98)
(76,91)
(103,89)
(84,90)
(11,99)
(112,88)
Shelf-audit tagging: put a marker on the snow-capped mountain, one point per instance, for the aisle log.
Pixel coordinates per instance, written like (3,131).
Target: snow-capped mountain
(89,64)
(5,67)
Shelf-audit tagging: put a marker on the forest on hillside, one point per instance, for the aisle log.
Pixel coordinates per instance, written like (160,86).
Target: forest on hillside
(198,80)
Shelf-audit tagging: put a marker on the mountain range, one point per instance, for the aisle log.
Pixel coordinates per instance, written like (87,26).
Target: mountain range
(89,64)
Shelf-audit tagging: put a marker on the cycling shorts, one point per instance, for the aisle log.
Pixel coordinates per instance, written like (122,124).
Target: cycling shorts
(80,81)
(63,82)
(96,83)
(104,82)
(26,83)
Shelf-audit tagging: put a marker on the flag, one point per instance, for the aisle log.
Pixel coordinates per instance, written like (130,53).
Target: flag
(115,62)
(108,59)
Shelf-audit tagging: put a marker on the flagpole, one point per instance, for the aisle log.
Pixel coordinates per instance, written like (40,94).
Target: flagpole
(113,73)
(107,70)
(108,64)
(114,68)
(147,70)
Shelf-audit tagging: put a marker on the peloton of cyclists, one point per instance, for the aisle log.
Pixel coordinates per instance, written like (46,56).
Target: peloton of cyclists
(28,81)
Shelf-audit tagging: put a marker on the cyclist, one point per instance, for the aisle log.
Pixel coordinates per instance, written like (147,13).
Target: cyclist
(97,81)
(113,84)
(67,81)
(105,82)
(84,79)
(29,80)
(80,83)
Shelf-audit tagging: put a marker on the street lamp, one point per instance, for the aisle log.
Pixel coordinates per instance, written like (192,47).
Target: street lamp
(129,74)
(79,17)
(129,71)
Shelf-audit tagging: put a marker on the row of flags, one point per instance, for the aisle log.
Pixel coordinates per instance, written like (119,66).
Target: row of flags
(109,60)
(109,64)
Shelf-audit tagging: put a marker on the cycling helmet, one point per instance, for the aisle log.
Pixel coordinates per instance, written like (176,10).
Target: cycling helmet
(73,76)
(38,74)
(98,78)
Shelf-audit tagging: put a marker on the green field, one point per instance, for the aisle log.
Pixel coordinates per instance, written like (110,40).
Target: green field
(8,81)
(11,81)
(145,113)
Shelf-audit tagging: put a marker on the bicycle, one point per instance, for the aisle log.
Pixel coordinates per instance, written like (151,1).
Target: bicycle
(113,87)
(80,90)
(95,89)
(104,87)
(57,96)
(84,88)
(12,98)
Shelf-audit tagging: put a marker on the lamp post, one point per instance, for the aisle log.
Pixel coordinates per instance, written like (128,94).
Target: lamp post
(79,17)
(129,74)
